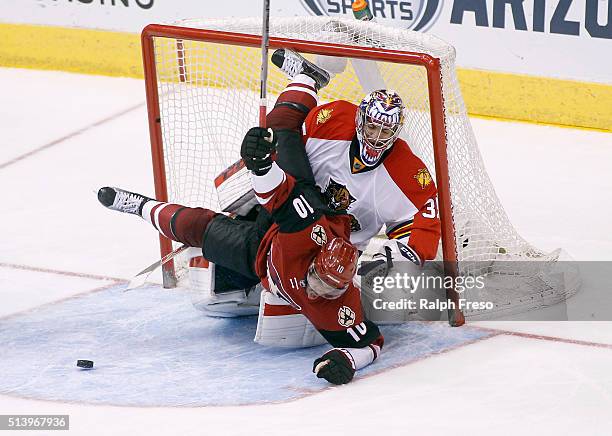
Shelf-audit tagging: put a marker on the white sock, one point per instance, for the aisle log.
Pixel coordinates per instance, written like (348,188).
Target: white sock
(146,210)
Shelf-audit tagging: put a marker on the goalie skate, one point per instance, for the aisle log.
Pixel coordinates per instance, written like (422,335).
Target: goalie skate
(292,64)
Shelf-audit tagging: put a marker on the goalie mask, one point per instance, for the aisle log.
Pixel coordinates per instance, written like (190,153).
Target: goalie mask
(332,270)
(379,121)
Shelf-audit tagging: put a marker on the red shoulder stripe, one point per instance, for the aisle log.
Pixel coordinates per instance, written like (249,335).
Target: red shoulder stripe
(335,120)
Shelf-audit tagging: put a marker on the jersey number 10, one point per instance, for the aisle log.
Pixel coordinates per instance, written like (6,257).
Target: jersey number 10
(302,207)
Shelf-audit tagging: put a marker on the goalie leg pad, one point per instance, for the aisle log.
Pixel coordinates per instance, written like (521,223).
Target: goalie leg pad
(280,325)
(229,304)
(225,305)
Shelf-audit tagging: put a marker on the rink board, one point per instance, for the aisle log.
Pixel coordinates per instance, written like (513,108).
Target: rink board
(150,347)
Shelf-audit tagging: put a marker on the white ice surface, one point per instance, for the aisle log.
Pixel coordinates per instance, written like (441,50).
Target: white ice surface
(554,183)
(21,288)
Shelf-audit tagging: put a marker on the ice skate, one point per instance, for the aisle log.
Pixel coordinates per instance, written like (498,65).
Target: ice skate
(121,200)
(292,64)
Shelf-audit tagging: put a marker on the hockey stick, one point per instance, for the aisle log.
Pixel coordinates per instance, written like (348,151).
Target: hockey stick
(265,39)
(237,169)
(139,279)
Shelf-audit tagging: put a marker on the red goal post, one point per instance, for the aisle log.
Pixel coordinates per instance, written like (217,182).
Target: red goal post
(431,64)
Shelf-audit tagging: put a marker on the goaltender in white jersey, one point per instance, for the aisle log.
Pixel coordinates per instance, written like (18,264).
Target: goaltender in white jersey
(386,187)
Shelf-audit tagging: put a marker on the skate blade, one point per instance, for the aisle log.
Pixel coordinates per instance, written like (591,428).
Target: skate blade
(140,279)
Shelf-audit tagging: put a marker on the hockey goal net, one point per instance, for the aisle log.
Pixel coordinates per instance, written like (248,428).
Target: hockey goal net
(202,81)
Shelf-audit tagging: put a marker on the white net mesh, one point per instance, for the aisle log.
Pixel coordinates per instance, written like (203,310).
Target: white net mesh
(209,97)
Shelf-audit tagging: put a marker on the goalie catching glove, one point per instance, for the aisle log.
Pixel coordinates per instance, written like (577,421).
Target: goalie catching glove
(335,366)
(391,251)
(258,150)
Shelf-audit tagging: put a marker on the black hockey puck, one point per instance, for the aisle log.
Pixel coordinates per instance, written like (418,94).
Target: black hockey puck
(87,364)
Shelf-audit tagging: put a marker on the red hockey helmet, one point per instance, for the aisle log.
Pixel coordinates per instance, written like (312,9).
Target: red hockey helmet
(332,270)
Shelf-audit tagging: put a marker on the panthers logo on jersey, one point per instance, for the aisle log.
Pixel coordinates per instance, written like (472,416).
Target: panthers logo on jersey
(338,196)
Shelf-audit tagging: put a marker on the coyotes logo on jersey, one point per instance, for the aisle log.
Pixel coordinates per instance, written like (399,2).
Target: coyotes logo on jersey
(318,235)
(346,316)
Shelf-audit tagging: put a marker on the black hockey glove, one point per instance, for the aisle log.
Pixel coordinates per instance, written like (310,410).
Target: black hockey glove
(258,149)
(335,367)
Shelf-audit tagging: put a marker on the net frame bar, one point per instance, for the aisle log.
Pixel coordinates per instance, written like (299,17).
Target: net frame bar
(431,64)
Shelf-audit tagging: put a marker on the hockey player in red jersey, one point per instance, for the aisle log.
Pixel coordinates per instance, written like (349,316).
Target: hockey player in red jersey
(309,240)
(304,258)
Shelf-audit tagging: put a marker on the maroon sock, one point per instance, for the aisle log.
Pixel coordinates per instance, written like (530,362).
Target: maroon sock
(292,106)
(180,223)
